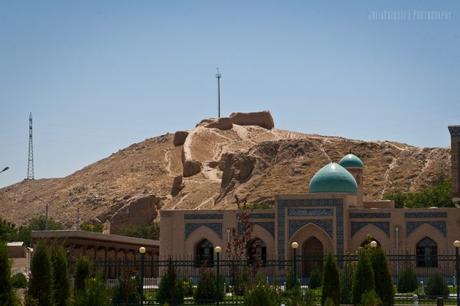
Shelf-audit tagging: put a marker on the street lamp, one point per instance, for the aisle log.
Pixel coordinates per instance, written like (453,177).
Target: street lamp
(294,247)
(217,250)
(4,169)
(141,287)
(457,270)
(373,244)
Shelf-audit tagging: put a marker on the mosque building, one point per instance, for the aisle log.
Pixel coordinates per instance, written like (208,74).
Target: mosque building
(333,217)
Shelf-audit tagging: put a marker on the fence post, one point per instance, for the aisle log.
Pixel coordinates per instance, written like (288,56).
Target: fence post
(457,270)
(218,249)
(294,247)
(141,275)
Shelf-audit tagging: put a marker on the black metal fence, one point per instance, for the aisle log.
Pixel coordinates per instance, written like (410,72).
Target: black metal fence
(273,271)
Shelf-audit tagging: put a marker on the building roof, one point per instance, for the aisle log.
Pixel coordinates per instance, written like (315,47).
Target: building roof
(333,178)
(351,161)
(15,244)
(59,234)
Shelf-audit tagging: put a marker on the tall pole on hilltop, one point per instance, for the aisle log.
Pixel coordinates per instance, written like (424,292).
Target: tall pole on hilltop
(218,76)
(30,160)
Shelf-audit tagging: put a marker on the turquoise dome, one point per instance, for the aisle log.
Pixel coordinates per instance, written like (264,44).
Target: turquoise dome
(333,178)
(351,161)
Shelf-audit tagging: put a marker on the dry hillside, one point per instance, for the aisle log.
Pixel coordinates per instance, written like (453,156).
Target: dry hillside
(206,167)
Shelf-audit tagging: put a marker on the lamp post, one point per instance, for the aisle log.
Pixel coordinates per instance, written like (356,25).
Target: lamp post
(141,274)
(4,169)
(294,247)
(457,270)
(217,250)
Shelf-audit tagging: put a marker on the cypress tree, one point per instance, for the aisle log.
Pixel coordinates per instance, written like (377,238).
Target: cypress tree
(382,277)
(331,283)
(346,283)
(363,280)
(81,274)
(41,280)
(7,296)
(61,285)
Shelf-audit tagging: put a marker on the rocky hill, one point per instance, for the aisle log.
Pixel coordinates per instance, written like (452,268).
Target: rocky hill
(208,167)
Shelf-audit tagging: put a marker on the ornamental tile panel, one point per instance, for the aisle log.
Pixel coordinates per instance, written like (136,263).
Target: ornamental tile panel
(369,215)
(356,226)
(413,225)
(426,214)
(310,212)
(203,216)
(325,224)
(191,227)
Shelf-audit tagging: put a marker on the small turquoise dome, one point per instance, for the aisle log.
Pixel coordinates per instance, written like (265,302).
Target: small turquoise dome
(351,161)
(333,178)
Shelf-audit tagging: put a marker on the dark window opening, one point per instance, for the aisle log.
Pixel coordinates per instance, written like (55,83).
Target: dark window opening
(204,254)
(256,252)
(427,253)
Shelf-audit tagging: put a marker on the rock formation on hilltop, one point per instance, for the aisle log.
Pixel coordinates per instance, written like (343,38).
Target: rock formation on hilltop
(207,167)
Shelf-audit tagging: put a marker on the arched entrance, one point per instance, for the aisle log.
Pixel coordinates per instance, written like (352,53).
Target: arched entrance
(312,255)
(256,252)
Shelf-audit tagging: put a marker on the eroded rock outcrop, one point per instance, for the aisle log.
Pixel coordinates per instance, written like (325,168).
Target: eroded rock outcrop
(191,167)
(179,138)
(139,210)
(263,119)
(177,185)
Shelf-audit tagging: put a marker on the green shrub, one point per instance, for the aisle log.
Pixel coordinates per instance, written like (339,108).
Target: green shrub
(382,277)
(407,281)
(126,292)
(363,280)
(41,280)
(346,283)
(262,294)
(7,296)
(81,274)
(188,287)
(370,298)
(207,290)
(39,223)
(61,283)
(94,294)
(329,302)
(297,297)
(331,282)
(241,281)
(439,194)
(292,282)
(170,290)
(315,277)
(437,286)
(19,280)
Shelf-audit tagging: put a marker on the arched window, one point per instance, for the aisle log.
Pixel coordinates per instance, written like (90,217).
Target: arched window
(204,254)
(427,253)
(256,252)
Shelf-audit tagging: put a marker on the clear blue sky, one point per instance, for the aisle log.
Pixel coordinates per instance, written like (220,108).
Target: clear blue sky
(100,75)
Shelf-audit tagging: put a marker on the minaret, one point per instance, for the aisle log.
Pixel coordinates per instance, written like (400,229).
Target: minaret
(455,161)
(30,160)
(355,166)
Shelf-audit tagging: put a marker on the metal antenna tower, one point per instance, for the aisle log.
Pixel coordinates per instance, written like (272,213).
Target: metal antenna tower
(218,76)
(30,160)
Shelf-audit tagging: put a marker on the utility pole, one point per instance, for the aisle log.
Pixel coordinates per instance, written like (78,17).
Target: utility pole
(30,160)
(218,76)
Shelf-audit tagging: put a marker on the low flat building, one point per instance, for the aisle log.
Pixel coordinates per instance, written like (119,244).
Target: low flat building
(20,256)
(106,251)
